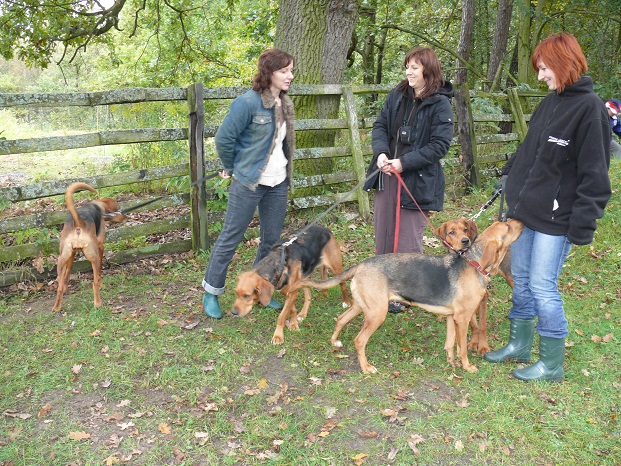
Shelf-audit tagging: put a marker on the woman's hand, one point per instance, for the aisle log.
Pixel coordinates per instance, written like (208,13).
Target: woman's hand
(387,165)
(224,174)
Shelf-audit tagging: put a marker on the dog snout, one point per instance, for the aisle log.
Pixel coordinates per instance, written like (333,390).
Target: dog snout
(234,311)
(465,241)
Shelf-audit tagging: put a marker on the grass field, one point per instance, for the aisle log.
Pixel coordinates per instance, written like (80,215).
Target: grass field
(148,379)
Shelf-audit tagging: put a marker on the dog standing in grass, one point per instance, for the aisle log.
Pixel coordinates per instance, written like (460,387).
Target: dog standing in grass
(84,230)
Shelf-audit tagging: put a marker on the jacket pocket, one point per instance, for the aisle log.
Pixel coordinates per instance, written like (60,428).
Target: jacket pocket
(424,183)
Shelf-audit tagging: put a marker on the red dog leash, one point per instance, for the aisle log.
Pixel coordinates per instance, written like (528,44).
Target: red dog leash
(473,263)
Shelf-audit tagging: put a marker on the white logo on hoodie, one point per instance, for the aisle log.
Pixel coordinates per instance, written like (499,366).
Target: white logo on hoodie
(559,141)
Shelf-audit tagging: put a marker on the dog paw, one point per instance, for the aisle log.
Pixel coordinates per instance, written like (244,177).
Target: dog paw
(369,369)
(337,344)
(278,340)
(483,349)
(293,325)
(471,368)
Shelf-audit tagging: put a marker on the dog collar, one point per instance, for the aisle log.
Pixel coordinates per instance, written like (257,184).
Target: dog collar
(474,264)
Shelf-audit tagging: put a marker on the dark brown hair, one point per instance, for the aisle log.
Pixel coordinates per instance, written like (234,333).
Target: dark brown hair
(432,71)
(562,54)
(269,61)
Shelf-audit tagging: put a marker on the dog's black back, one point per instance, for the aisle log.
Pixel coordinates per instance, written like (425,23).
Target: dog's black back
(89,213)
(306,249)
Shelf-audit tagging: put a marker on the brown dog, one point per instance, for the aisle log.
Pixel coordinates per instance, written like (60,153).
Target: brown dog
(286,264)
(458,235)
(84,230)
(451,285)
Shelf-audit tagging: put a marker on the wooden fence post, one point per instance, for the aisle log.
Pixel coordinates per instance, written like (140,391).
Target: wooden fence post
(198,198)
(356,149)
(518,113)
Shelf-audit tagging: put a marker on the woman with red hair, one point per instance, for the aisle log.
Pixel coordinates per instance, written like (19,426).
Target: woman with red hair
(557,184)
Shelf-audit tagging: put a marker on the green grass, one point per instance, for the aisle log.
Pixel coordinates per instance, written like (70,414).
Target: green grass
(146,390)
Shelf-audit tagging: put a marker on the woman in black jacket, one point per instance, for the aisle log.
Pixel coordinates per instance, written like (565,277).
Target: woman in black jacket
(557,184)
(411,135)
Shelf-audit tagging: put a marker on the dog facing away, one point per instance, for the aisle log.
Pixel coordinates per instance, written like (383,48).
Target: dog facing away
(458,235)
(286,264)
(84,230)
(450,285)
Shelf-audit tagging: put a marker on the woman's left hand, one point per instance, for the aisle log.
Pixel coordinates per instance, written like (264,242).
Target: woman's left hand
(395,165)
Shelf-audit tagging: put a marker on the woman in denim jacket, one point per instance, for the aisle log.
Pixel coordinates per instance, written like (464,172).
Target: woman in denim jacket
(255,144)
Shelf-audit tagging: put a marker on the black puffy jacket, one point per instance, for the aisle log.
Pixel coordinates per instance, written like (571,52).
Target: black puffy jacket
(422,171)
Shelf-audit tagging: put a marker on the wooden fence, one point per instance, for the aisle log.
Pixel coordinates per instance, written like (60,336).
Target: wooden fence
(16,259)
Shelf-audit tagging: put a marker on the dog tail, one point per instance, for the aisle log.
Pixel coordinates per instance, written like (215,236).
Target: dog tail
(71,190)
(330,282)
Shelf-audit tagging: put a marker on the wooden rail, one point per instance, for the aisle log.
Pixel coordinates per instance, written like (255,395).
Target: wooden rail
(15,260)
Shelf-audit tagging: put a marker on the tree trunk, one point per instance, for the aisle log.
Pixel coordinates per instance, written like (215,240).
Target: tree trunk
(318,34)
(461,89)
(499,45)
(523,41)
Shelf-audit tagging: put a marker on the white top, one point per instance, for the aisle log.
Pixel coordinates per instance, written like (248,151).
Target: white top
(276,169)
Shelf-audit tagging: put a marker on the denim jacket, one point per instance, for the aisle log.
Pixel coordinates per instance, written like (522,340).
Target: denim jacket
(246,137)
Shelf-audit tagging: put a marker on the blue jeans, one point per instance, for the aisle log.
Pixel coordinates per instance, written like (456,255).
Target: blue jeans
(536,263)
(272,205)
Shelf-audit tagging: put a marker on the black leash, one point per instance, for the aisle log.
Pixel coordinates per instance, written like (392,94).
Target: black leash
(343,198)
(151,201)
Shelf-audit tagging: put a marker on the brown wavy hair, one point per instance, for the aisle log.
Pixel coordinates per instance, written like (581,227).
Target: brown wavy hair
(432,71)
(269,61)
(563,55)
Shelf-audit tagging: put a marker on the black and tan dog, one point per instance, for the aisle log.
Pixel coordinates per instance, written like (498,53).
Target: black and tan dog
(451,285)
(84,230)
(286,264)
(458,235)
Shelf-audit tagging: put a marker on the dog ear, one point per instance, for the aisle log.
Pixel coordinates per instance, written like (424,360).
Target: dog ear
(265,290)
(473,230)
(441,230)
(491,255)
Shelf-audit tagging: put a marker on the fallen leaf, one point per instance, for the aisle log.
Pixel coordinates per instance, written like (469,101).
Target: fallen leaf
(358,458)
(579,332)
(77,436)
(281,353)
(392,454)
(123,403)
(112,459)
(106,383)
(459,445)
(203,437)
(323,433)
(164,428)
(126,425)
(607,338)
(262,384)
(44,411)
(368,434)
(315,381)
(76,368)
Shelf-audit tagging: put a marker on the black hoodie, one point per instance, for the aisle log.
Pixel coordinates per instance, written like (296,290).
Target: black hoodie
(558,180)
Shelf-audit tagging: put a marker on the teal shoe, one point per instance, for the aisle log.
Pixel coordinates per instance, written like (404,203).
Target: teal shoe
(211,306)
(274,304)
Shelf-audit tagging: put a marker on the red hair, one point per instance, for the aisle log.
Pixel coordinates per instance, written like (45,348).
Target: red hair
(562,54)
(432,71)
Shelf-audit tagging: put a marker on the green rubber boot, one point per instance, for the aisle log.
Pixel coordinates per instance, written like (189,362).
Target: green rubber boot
(521,334)
(550,364)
